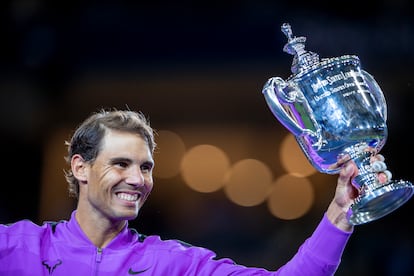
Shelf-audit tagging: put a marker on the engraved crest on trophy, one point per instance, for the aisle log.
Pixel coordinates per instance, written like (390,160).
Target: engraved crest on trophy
(334,108)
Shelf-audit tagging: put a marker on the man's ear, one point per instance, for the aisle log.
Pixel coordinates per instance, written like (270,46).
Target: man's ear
(79,168)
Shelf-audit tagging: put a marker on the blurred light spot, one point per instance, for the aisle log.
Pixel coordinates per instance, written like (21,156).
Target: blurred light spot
(204,167)
(168,154)
(293,159)
(248,183)
(291,197)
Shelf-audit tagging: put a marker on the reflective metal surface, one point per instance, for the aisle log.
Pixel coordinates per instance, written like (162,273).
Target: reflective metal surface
(334,108)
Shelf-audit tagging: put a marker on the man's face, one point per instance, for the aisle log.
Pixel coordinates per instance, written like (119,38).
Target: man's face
(120,179)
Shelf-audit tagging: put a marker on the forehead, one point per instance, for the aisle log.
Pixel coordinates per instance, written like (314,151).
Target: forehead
(120,140)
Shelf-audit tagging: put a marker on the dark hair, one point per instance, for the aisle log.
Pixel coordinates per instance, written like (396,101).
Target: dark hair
(87,138)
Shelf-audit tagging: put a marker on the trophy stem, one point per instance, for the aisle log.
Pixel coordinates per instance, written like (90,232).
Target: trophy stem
(375,199)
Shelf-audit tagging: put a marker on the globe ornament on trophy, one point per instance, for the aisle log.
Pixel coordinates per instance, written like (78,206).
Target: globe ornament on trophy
(335,110)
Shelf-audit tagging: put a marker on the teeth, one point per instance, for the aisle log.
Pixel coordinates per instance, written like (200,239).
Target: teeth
(129,197)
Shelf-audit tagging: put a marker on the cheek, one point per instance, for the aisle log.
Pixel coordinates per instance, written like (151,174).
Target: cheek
(149,183)
(109,176)
(104,182)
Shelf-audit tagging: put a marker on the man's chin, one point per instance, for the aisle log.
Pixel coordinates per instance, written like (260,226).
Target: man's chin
(130,215)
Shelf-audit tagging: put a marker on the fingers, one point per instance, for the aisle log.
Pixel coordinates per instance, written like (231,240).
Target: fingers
(348,171)
(378,165)
(342,159)
(384,177)
(377,157)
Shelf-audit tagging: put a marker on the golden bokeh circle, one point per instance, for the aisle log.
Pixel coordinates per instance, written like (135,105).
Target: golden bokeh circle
(203,168)
(248,182)
(291,197)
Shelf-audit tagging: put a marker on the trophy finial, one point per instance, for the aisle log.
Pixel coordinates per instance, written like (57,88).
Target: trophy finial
(295,46)
(287,30)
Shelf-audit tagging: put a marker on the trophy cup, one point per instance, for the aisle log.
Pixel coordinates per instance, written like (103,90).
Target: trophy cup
(335,109)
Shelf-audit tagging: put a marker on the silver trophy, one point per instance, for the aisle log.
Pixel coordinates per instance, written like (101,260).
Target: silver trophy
(335,109)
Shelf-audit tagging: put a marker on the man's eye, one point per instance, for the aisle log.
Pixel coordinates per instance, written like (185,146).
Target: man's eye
(122,164)
(146,168)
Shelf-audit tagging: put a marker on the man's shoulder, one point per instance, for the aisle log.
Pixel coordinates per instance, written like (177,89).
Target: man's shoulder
(26,226)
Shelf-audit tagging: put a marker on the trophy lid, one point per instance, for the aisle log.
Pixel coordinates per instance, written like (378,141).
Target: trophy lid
(303,60)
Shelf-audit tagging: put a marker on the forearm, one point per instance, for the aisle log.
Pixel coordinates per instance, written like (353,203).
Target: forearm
(337,215)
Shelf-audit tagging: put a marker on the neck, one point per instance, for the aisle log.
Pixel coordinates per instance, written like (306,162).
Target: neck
(99,230)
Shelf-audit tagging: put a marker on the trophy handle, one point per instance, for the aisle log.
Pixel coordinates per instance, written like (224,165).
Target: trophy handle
(280,96)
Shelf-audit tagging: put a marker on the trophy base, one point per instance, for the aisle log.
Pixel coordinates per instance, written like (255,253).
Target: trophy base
(379,202)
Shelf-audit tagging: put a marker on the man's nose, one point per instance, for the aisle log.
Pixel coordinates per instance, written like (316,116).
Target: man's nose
(135,177)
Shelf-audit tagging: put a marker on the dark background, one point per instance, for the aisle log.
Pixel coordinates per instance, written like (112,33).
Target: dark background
(57,58)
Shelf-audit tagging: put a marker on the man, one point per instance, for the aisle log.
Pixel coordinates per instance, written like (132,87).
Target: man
(111,163)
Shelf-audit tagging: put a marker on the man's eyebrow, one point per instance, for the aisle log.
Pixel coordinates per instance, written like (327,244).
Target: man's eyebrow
(120,159)
(129,160)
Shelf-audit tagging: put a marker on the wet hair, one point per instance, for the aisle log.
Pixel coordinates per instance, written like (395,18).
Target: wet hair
(87,138)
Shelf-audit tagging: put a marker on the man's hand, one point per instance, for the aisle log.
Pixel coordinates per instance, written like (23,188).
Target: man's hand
(346,192)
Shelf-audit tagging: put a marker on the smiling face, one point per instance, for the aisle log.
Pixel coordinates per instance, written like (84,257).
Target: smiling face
(115,186)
